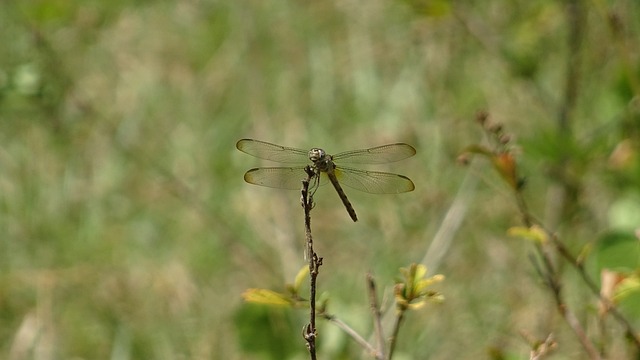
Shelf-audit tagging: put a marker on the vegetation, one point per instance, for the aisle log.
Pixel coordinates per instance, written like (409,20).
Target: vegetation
(127,231)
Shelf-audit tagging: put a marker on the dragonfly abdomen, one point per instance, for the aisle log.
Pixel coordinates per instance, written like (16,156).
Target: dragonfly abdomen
(343,196)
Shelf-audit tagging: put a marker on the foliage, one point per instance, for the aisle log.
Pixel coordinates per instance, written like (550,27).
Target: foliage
(127,231)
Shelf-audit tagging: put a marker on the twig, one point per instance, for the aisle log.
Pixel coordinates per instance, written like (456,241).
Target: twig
(539,348)
(452,221)
(576,20)
(573,322)
(550,277)
(529,221)
(375,311)
(310,333)
(611,308)
(505,165)
(396,329)
(351,332)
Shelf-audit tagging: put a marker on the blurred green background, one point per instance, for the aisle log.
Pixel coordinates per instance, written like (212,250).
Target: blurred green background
(127,231)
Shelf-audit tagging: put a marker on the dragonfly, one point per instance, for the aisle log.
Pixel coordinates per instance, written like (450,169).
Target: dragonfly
(324,167)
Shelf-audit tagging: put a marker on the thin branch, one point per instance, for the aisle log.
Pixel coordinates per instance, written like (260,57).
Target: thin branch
(549,275)
(375,311)
(539,348)
(310,331)
(529,220)
(573,322)
(591,284)
(576,19)
(452,221)
(396,329)
(354,334)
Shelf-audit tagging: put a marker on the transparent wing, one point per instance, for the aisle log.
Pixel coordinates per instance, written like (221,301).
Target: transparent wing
(377,155)
(273,152)
(374,182)
(277,177)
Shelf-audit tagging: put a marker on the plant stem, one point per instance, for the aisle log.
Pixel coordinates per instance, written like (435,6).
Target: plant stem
(396,329)
(375,311)
(310,332)
(351,332)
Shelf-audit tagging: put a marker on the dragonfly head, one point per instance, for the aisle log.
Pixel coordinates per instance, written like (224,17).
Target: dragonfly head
(316,154)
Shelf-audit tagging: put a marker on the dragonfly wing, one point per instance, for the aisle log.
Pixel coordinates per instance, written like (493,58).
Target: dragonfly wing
(374,182)
(273,152)
(377,155)
(277,177)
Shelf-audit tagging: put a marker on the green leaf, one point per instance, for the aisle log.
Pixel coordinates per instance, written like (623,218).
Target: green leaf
(618,251)
(627,287)
(302,275)
(267,297)
(534,233)
(478,149)
(412,292)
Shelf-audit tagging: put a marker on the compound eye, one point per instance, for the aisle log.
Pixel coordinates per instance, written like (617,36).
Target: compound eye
(316,154)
